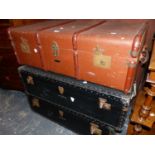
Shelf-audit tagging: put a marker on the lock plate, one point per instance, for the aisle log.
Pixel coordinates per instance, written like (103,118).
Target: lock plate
(101,60)
(24,45)
(55,49)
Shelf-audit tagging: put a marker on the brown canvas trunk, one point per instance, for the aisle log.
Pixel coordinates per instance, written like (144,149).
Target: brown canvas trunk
(107,52)
(25,44)
(110,54)
(57,46)
(141,70)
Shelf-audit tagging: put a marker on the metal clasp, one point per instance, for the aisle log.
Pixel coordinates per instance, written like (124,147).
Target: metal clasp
(103,104)
(30,80)
(61,90)
(35,102)
(94,129)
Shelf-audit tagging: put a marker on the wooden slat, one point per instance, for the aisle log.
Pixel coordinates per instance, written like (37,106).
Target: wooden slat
(152,61)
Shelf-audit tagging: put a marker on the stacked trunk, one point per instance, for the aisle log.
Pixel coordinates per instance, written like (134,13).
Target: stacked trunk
(88,70)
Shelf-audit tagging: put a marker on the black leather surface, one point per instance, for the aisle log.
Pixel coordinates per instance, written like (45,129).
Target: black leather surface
(69,120)
(85,96)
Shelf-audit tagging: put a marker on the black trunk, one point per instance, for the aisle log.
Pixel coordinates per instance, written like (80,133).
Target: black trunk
(98,104)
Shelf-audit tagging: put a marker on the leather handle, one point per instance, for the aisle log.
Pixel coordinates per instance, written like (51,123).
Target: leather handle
(144,56)
(138,42)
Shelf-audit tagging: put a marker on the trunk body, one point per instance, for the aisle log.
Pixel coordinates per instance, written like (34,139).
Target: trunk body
(25,43)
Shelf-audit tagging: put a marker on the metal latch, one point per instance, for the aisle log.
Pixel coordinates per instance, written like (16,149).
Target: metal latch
(94,129)
(61,90)
(30,80)
(35,102)
(103,104)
